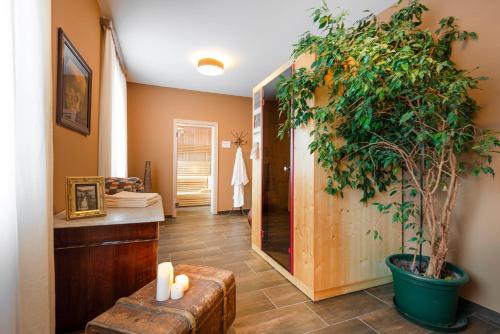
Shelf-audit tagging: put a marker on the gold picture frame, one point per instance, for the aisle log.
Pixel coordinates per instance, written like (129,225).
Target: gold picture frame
(85,197)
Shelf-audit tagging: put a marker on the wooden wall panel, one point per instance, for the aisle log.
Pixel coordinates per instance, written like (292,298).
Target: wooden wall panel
(304,206)
(303,180)
(256,204)
(345,256)
(194,143)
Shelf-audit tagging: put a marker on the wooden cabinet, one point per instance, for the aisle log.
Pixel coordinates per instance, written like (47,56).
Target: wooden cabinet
(98,264)
(332,254)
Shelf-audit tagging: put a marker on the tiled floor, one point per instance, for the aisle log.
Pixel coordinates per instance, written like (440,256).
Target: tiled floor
(266,301)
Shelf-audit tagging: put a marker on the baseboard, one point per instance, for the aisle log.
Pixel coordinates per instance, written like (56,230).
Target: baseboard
(285,273)
(468,307)
(225,212)
(236,212)
(349,288)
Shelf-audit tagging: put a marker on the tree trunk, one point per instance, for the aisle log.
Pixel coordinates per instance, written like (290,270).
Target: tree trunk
(438,258)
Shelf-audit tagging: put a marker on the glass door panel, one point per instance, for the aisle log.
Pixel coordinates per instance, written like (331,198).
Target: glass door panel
(276,183)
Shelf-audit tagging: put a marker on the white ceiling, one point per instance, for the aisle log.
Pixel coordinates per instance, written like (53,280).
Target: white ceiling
(161,38)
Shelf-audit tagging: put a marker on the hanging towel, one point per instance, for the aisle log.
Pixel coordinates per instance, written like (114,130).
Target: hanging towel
(239,179)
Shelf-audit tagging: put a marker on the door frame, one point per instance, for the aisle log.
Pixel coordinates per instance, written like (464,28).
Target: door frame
(289,65)
(214,165)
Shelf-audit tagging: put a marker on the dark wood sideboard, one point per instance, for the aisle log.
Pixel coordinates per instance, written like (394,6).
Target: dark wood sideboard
(99,260)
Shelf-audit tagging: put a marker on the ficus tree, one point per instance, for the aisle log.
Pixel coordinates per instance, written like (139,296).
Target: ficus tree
(399,117)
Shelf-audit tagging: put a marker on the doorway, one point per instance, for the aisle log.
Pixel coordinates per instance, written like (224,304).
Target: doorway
(277,177)
(195,168)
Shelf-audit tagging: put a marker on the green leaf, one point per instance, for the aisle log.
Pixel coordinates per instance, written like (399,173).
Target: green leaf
(452,118)
(406,117)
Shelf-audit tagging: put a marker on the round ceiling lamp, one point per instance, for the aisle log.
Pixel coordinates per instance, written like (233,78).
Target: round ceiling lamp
(210,66)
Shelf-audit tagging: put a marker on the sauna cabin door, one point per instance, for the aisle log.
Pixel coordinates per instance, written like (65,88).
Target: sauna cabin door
(277,187)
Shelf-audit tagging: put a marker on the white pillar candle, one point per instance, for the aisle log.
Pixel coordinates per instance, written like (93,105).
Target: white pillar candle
(176,291)
(171,267)
(163,279)
(182,280)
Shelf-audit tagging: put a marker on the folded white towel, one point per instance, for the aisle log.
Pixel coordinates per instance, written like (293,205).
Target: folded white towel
(126,199)
(132,195)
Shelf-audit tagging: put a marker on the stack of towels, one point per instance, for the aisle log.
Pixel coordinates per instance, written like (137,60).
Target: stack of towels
(126,199)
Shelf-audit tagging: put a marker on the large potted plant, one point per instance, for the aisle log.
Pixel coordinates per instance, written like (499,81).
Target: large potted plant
(399,119)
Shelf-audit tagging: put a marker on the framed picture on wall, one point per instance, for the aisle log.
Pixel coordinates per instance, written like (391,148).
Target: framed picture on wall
(74,87)
(85,197)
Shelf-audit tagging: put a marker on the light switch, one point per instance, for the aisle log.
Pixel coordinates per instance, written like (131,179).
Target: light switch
(226,144)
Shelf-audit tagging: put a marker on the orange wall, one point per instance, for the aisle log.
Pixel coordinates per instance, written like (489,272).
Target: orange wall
(151,111)
(475,245)
(75,154)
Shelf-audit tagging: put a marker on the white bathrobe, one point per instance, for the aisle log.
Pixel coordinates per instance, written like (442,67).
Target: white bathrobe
(239,179)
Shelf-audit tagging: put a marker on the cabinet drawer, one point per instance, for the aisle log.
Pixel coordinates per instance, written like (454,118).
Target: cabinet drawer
(104,235)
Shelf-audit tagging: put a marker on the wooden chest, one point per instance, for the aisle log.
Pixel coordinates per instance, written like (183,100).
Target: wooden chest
(208,306)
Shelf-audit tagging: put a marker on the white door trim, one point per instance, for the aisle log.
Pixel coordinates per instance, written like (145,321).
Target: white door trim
(214,164)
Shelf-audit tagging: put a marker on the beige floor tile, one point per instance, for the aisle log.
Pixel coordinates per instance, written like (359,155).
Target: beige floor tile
(341,308)
(240,269)
(284,295)
(228,241)
(258,265)
(252,302)
(238,256)
(384,292)
(295,319)
(388,320)
(174,246)
(194,253)
(257,281)
(478,326)
(353,326)
(236,247)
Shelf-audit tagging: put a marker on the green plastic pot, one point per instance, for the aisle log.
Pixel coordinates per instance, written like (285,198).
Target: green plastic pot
(428,302)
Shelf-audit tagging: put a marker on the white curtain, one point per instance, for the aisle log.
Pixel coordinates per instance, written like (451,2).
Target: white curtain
(112,113)
(26,247)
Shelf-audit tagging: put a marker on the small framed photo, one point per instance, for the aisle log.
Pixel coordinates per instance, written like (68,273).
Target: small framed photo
(85,197)
(74,87)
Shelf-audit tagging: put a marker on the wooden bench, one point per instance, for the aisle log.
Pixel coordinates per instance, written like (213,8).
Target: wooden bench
(192,183)
(192,191)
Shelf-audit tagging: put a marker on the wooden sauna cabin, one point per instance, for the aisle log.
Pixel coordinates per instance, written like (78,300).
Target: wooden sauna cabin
(317,241)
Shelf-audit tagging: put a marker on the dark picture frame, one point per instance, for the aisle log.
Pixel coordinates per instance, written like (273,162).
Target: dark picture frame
(74,87)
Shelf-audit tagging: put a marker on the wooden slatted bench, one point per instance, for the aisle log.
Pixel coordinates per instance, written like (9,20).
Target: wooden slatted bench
(192,183)
(193,191)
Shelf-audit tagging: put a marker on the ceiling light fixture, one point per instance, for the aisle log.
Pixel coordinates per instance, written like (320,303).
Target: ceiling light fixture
(210,66)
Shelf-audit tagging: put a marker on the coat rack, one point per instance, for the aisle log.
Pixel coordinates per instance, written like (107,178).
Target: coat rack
(239,138)
(239,141)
